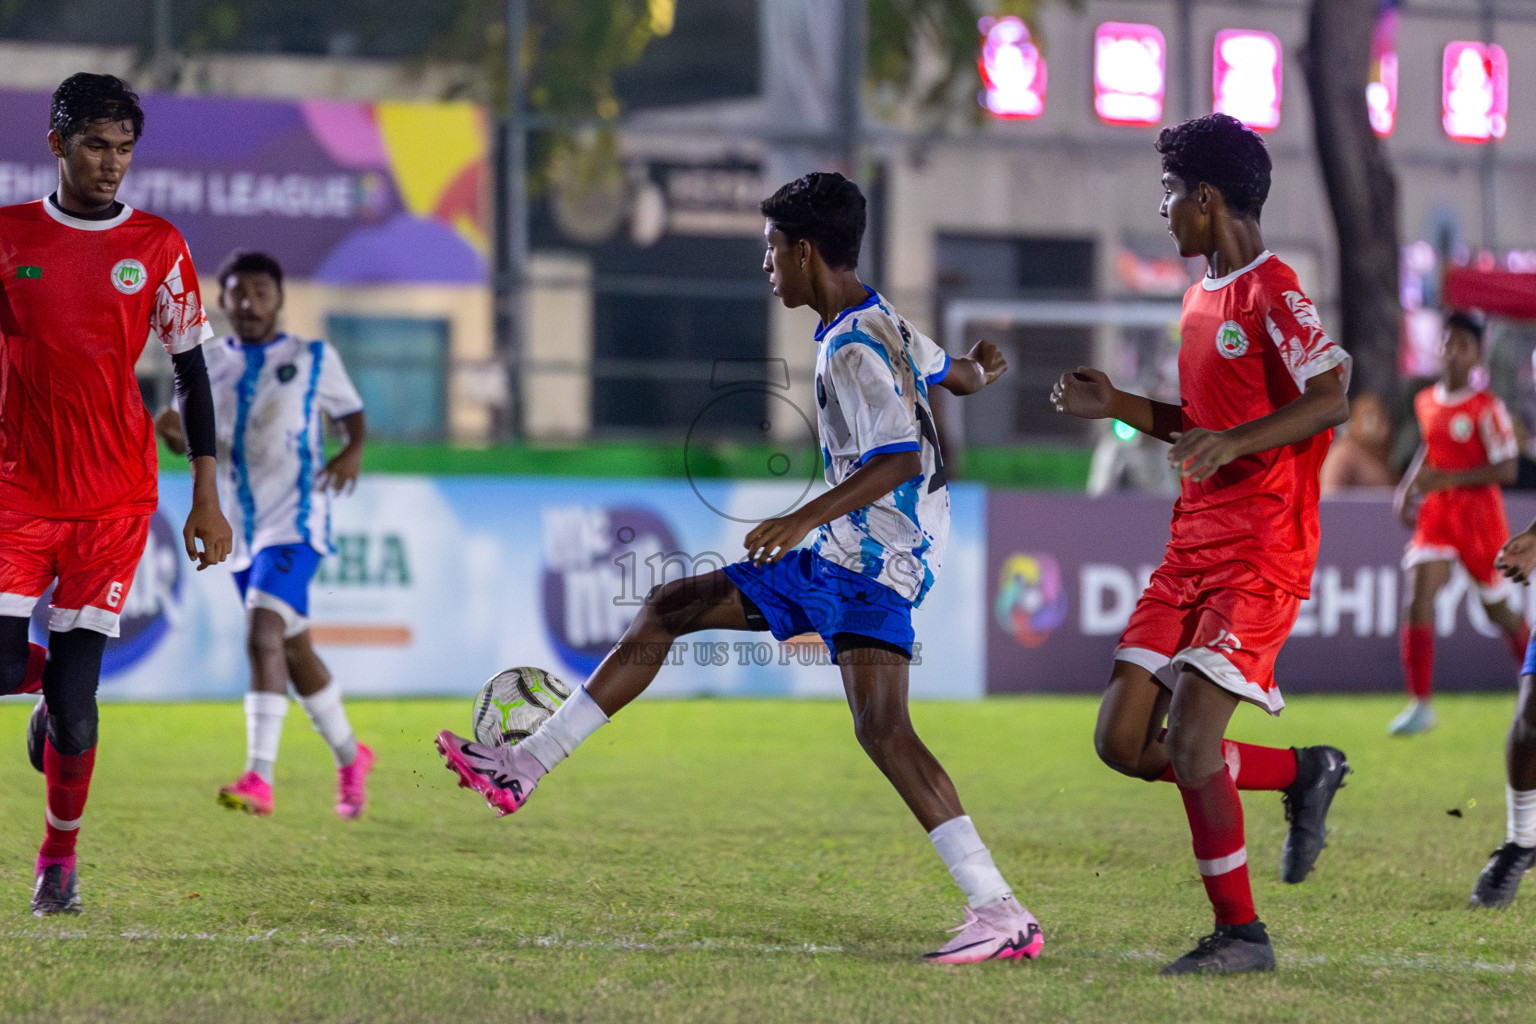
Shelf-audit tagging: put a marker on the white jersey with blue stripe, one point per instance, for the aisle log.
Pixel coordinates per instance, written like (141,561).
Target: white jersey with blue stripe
(267,404)
(873,372)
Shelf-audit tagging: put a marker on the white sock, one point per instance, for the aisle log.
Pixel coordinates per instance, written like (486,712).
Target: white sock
(578,718)
(969,861)
(330,721)
(1521,829)
(264,714)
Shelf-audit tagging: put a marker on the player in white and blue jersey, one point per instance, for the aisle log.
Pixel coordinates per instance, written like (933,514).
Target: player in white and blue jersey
(880,533)
(270,389)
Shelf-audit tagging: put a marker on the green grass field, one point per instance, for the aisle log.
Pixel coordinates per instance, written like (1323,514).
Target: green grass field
(742,861)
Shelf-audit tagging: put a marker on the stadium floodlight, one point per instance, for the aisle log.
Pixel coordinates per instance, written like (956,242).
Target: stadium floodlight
(1013,71)
(1129,73)
(1246,77)
(1474,92)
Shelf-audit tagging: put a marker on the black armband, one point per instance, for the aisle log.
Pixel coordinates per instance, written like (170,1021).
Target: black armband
(195,398)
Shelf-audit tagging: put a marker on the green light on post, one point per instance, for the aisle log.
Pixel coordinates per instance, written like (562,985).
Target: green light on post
(1124,431)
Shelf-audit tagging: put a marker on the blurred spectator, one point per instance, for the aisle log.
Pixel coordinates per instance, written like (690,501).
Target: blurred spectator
(1361,456)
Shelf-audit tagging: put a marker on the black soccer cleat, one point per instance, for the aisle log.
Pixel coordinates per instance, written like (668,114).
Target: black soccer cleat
(1320,774)
(1225,952)
(1500,880)
(37,734)
(57,891)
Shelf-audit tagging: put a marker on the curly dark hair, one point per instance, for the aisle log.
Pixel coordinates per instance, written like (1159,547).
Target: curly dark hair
(245,261)
(1221,151)
(84,99)
(825,208)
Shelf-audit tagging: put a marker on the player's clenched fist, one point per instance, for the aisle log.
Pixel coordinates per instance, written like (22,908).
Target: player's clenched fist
(1084,392)
(1518,557)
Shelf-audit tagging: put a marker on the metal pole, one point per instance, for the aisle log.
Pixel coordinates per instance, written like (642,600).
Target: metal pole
(163,57)
(850,86)
(1489,168)
(1186,30)
(514,270)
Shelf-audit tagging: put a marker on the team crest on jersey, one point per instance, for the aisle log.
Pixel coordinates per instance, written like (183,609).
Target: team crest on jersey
(129,276)
(1461,428)
(285,373)
(1231,341)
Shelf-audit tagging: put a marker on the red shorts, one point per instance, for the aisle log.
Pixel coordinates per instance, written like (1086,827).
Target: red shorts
(1228,624)
(94,561)
(1465,525)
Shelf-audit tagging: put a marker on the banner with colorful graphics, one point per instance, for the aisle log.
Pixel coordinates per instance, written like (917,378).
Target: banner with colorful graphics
(436,584)
(340,191)
(1063,573)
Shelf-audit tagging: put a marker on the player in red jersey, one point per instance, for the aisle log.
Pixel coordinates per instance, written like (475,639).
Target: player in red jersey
(1450,499)
(1262,387)
(84,281)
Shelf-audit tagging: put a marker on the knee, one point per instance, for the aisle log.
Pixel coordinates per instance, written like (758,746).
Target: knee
(1114,751)
(1192,758)
(879,737)
(263,641)
(668,611)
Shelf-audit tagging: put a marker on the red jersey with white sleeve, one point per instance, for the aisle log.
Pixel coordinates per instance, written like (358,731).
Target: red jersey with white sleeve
(1464,429)
(78,301)
(1250,342)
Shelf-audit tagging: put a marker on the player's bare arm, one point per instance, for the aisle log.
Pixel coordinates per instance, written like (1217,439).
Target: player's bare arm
(1405,500)
(1198,453)
(981,366)
(772,539)
(206,524)
(1517,558)
(340,473)
(1429,479)
(168,426)
(1088,394)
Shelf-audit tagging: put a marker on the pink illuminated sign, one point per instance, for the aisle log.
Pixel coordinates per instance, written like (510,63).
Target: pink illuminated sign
(1012,69)
(1246,77)
(1129,73)
(1474,92)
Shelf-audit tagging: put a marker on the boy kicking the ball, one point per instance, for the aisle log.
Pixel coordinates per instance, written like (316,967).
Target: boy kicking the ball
(1262,388)
(269,389)
(880,535)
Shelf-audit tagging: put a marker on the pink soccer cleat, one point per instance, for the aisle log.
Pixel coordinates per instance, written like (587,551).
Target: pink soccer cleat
(505,776)
(351,784)
(998,931)
(251,793)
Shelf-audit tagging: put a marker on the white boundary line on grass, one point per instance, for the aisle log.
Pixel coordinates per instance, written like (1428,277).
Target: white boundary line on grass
(1391,961)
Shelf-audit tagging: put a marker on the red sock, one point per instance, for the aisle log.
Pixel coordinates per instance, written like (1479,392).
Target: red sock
(1418,646)
(1517,642)
(1216,825)
(69,782)
(37,658)
(1252,767)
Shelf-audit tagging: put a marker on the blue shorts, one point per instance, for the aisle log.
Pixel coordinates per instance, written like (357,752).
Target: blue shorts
(804,593)
(1529,668)
(278,579)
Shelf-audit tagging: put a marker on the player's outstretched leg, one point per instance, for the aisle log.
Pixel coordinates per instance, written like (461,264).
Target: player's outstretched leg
(69,757)
(1500,878)
(994,925)
(266,706)
(320,696)
(506,775)
(1197,718)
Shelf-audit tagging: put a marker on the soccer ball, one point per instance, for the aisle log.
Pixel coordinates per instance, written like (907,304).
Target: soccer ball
(512,704)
